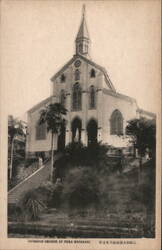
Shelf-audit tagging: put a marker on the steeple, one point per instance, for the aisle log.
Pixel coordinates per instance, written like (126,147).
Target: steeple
(82,40)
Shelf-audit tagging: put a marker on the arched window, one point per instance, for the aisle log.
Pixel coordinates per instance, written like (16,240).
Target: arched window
(93,73)
(92,97)
(77,75)
(62,97)
(76,97)
(116,123)
(41,131)
(62,78)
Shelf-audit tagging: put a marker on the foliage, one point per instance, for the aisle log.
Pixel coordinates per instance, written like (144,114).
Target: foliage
(30,161)
(53,116)
(16,144)
(81,188)
(143,133)
(15,212)
(23,170)
(15,127)
(76,154)
(145,191)
(56,192)
(32,204)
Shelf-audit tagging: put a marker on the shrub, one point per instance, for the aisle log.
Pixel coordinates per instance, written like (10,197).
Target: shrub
(15,212)
(81,188)
(76,154)
(55,197)
(32,204)
(30,161)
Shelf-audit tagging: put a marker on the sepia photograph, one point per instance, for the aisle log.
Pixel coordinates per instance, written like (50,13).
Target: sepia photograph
(81,81)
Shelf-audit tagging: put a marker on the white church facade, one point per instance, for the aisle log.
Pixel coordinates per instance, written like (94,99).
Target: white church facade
(96,111)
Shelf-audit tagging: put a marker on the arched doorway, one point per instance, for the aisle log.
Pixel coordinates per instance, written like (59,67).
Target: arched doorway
(92,131)
(61,138)
(76,127)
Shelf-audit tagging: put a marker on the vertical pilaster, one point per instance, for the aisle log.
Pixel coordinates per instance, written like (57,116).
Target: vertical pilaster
(100,114)
(84,117)
(68,119)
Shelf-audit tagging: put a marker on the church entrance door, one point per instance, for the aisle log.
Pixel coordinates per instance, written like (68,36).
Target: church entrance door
(76,128)
(61,139)
(92,131)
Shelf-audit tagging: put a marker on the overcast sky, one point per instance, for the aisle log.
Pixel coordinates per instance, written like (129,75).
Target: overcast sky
(38,39)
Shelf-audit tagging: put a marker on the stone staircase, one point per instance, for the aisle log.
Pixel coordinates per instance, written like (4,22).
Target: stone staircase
(31,182)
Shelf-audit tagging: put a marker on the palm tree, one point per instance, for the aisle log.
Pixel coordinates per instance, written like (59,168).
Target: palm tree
(32,204)
(53,116)
(16,129)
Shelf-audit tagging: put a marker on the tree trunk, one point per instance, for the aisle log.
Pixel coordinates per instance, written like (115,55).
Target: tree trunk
(140,169)
(52,157)
(140,163)
(11,162)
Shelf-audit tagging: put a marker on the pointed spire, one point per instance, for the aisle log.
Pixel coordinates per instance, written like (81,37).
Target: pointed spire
(82,39)
(83,31)
(83,10)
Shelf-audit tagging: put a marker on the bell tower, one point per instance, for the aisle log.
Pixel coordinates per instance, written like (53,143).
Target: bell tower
(82,40)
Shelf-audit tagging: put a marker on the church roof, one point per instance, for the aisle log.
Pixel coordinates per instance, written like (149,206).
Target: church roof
(145,112)
(102,69)
(119,95)
(83,30)
(38,105)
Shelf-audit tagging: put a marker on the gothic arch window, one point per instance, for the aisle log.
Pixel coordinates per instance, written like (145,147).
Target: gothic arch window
(116,123)
(77,75)
(63,97)
(76,97)
(41,131)
(92,73)
(92,97)
(62,78)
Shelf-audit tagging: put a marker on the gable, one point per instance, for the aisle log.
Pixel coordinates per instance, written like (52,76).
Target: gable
(91,63)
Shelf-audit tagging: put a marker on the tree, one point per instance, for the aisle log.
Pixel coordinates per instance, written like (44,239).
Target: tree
(143,134)
(53,116)
(16,135)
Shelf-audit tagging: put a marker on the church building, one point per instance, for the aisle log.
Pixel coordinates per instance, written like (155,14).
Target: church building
(96,111)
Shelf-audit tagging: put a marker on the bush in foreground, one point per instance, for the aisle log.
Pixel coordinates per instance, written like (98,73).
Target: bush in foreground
(81,189)
(32,205)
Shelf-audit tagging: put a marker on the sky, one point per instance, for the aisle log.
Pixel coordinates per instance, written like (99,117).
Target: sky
(38,39)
